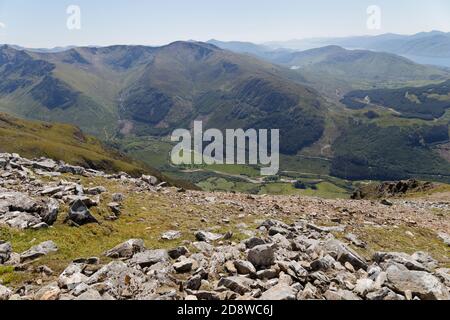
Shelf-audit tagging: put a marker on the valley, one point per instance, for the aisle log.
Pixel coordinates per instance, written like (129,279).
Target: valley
(133,97)
(92,207)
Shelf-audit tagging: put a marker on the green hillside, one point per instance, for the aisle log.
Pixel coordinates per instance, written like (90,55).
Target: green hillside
(33,139)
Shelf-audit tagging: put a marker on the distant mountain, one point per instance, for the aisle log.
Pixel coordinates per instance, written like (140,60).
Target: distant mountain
(332,69)
(138,91)
(44,50)
(261,51)
(434,45)
(154,90)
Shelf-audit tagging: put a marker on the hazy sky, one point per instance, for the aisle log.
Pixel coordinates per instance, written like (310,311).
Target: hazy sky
(43,23)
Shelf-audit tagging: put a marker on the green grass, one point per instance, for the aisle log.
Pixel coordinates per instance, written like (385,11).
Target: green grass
(397,240)
(145,216)
(324,190)
(61,142)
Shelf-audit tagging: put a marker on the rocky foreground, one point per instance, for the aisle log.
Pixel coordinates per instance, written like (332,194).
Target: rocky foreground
(224,246)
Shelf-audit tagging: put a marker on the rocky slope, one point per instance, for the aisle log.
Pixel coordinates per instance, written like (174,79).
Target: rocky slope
(72,233)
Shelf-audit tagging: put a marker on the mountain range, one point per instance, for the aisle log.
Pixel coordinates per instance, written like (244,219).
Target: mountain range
(424,47)
(120,92)
(334,71)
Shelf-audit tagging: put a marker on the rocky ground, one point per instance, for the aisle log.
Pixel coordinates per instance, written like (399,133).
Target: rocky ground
(70,233)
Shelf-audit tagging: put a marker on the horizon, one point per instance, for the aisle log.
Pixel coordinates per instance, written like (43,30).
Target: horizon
(155,24)
(214,39)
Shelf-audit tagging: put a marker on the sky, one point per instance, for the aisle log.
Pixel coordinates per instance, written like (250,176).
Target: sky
(43,23)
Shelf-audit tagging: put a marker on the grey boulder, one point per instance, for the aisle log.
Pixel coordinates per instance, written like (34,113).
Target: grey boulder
(38,251)
(80,214)
(126,249)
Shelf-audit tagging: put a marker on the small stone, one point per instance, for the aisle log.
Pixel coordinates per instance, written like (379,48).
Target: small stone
(236,284)
(115,208)
(38,251)
(244,267)
(207,236)
(171,235)
(5,293)
(126,249)
(262,256)
(5,252)
(178,252)
(194,283)
(118,197)
(48,293)
(96,190)
(253,242)
(90,295)
(419,283)
(280,292)
(80,214)
(184,266)
(364,286)
(149,258)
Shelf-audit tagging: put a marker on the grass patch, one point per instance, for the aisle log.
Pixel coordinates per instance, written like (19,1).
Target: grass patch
(397,240)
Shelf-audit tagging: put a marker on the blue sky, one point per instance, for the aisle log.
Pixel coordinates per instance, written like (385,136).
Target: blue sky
(42,23)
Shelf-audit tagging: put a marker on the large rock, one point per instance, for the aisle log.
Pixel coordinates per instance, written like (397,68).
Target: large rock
(343,254)
(340,295)
(177,252)
(262,256)
(75,170)
(90,295)
(207,236)
(38,251)
(244,267)
(171,235)
(50,213)
(49,292)
(80,214)
(184,266)
(18,201)
(127,249)
(5,252)
(20,220)
(153,181)
(400,258)
(123,282)
(445,238)
(279,292)
(236,284)
(5,293)
(150,257)
(45,164)
(421,284)
(72,277)
(253,242)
